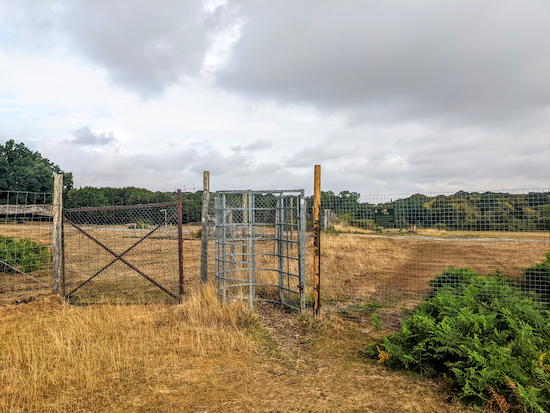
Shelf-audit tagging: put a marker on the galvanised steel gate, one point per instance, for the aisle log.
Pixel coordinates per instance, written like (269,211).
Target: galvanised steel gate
(260,246)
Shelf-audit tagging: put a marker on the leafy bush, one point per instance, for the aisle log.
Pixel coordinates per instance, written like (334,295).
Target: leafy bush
(23,254)
(440,225)
(451,277)
(537,279)
(483,336)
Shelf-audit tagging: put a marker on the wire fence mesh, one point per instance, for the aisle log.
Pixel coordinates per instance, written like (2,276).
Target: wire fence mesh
(129,253)
(397,249)
(25,245)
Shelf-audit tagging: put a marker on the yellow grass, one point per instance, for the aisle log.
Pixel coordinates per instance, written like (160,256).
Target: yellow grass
(56,357)
(196,356)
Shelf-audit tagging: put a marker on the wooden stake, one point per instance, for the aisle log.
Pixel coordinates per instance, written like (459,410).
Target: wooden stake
(57,235)
(317,241)
(204,231)
(180,244)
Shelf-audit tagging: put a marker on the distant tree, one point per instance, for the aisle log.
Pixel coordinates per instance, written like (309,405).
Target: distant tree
(24,170)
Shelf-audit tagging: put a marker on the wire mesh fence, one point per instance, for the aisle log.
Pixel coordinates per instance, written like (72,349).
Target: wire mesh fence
(25,245)
(129,253)
(397,249)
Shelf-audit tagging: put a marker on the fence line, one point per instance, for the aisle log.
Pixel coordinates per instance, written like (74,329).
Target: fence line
(392,248)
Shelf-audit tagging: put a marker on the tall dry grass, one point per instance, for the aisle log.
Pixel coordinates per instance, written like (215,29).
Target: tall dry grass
(60,358)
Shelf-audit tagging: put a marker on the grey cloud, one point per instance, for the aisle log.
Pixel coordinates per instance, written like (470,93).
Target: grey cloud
(459,62)
(84,136)
(144,46)
(258,145)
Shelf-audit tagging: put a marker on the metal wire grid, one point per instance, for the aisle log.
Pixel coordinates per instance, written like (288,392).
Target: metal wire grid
(25,245)
(390,248)
(128,254)
(260,246)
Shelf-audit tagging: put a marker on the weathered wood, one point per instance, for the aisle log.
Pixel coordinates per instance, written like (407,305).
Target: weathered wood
(45,210)
(180,244)
(317,241)
(204,231)
(57,235)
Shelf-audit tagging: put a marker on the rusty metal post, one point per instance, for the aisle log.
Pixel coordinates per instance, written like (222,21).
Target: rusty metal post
(180,245)
(317,241)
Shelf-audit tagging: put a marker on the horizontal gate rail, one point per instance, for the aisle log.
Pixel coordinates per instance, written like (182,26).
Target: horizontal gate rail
(118,208)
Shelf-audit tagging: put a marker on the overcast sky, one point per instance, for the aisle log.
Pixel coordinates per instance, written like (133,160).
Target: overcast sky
(388,96)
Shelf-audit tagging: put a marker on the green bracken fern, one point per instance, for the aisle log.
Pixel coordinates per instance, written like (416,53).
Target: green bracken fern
(483,335)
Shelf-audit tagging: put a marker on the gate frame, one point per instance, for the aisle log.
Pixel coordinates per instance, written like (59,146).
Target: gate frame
(248,227)
(119,257)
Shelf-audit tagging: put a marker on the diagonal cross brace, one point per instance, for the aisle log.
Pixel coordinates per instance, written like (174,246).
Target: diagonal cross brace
(23,273)
(119,257)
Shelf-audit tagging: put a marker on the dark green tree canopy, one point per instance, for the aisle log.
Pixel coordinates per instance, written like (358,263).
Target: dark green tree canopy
(24,170)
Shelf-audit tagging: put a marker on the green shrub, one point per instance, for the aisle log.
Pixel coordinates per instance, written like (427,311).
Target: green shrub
(24,254)
(451,277)
(537,279)
(483,336)
(440,225)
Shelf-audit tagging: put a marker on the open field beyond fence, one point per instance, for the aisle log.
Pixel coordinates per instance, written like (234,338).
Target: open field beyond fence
(355,266)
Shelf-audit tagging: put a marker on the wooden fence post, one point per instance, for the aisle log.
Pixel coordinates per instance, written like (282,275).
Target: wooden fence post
(180,244)
(317,241)
(58,280)
(204,231)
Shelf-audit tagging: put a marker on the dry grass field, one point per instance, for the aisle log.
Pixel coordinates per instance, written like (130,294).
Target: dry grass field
(355,266)
(381,267)
(201,356)
(198,356)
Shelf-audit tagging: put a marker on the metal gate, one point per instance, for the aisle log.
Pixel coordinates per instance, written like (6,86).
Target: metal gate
(260,246)
(123,253)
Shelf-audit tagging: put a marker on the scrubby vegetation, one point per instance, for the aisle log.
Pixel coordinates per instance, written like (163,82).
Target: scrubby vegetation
(23,254)
(486,337)
(537,278)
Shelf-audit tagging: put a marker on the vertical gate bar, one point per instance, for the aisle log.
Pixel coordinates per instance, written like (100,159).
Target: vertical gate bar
(180,244)
(317,241)
(245,221)
(287,244)
(302,249)
(291,219)
(217,229)
(251,251)
(224,255)
(232,235)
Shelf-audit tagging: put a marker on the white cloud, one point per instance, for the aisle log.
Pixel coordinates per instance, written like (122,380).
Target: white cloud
(388,96)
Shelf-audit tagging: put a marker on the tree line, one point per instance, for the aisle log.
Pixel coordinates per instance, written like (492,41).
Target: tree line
(27,177)
(485,211)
